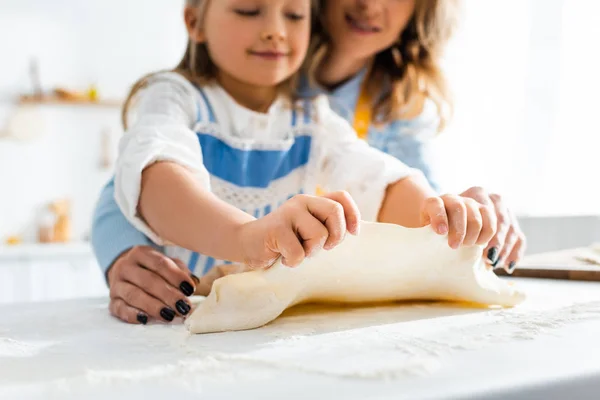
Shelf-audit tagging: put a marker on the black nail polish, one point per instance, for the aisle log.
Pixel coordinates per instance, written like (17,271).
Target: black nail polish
(182,307)
(142,318)
(167,314)
(492,254)
(495,264)
(511,267)
(186,288)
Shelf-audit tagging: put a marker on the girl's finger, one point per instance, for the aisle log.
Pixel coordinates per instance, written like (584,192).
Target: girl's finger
(331,214)
(351,211)
(288,245)
(457,220)
(434,213)
(313,233)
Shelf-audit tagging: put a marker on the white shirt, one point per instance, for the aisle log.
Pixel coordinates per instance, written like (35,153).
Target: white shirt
(251,160)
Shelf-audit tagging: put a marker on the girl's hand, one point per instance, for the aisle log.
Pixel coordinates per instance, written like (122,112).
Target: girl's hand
(466,221)
(507,247)
(145,283)
(298,229)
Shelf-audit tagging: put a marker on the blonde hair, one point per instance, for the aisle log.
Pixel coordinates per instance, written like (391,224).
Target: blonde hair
(197,66)
(410,67)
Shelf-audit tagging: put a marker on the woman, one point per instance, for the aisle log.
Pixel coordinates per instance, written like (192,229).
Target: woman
(378,61)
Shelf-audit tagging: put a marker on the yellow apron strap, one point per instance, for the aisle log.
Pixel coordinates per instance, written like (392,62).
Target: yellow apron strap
(362,119)
(362,113)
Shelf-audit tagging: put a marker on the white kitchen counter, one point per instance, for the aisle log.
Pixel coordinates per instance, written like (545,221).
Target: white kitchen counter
(547,349)
(48,272)
(45,251)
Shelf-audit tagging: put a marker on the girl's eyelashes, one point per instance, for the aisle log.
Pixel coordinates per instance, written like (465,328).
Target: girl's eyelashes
(247,13)
(256,12)
(295,16)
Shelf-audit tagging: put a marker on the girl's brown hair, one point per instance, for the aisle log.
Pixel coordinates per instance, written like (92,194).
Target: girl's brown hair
(197,65)
(411,67)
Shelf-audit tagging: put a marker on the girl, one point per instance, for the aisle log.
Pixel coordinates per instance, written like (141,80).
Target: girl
(219,162)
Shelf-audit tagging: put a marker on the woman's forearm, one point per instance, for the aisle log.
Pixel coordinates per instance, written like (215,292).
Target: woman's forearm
(112,233)
(180,211)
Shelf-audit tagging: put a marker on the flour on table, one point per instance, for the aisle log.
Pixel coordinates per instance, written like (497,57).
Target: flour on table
(411,349)
(15,348)
(375,343)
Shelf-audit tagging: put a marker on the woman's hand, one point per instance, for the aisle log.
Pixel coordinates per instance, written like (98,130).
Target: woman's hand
(507,247)
(144,283)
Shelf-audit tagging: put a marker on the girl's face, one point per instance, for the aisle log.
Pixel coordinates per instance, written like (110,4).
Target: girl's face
(257,42)
(362,28)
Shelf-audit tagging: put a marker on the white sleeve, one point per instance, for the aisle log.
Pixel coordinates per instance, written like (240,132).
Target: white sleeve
(349,163)
(165,113)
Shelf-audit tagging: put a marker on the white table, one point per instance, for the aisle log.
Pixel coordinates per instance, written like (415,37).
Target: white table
(545,349)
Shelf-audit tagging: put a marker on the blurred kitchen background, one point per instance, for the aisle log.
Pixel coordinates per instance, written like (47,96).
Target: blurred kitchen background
(525,73)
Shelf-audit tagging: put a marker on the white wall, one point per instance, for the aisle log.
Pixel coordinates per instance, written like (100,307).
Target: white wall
(526,78)
(524,73)
(111,43)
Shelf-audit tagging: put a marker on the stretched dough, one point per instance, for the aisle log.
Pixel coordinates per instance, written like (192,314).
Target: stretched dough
(384,263)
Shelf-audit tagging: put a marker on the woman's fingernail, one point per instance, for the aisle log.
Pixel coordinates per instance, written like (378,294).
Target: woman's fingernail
(186,288)
(142,318)
(195,279)
(495,263)
(167,314)
(492,254)
(182,307)
(511,267)
(442,229)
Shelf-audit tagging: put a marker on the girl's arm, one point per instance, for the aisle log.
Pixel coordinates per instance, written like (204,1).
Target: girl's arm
(163,188)
(403,201)
(187,214)
(161,184)
(388,191)
(347,163)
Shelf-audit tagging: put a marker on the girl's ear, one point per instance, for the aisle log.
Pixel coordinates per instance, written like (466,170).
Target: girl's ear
(192,22)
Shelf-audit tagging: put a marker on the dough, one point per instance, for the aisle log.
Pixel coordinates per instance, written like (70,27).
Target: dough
(384,263)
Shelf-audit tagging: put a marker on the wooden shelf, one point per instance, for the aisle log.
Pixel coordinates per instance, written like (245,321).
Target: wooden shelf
(57,101)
